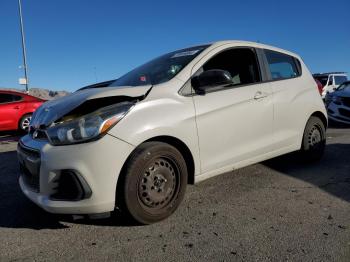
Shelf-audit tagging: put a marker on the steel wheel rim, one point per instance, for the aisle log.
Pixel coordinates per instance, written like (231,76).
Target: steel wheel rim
(315,136)
(26,122)
(158,184)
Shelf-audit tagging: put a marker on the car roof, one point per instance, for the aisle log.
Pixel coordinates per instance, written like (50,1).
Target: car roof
(253,44)
(13,92)
(330,73)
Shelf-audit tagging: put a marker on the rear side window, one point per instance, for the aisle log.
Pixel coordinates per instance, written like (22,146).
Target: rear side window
(16,98)
(322,79)
(5,98)
(281,66)
(8,98)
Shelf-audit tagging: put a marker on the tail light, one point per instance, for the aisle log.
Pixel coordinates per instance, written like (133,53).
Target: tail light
(319,86)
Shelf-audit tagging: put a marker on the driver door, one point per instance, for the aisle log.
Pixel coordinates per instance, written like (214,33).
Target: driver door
(234,123)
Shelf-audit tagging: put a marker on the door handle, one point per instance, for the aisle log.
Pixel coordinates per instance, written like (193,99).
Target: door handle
(16,107)
(259,95)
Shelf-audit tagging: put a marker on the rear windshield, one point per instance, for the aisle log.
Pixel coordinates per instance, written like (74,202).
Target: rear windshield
(161,69)
(322,79)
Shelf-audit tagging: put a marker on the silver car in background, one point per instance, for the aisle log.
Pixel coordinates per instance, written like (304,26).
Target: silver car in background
(338,104)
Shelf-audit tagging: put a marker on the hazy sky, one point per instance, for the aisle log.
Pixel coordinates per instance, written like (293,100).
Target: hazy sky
(72,43)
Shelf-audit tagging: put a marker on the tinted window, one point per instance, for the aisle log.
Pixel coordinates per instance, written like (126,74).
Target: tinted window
(6,98)
(16,98)
(161,69)
(340,79)
(281,66)
(322,79)
(241,63)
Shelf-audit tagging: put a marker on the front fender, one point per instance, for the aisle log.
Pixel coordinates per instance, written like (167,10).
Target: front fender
(174,117)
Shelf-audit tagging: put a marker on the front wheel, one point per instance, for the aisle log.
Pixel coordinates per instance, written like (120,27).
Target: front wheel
(153,182)
(24,122)
(314,140)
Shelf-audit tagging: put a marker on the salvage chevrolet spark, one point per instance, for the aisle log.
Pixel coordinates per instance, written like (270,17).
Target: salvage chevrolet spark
(179,119)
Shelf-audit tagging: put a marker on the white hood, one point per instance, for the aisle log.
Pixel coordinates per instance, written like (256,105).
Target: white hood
(55,109)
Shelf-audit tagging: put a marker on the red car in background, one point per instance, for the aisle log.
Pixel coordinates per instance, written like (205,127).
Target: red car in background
(16,110)
(319,86)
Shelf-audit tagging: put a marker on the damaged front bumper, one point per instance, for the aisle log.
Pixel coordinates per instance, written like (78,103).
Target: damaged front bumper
(72,179)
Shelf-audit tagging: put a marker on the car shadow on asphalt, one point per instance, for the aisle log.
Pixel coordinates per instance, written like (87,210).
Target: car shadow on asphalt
(330,174)
(16,211)
(7,137)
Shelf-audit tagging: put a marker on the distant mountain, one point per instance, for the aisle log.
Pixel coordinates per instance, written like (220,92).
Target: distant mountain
(42,93)
(47,94)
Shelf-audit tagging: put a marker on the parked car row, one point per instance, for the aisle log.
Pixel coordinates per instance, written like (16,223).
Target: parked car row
(329,82)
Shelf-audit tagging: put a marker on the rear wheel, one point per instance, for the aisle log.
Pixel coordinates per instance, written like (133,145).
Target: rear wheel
(24,122)
(314,140)
(154,182)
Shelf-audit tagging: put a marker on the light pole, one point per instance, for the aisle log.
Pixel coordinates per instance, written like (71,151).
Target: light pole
(23,46)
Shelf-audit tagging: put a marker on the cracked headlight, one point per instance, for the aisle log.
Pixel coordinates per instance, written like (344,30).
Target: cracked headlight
(88,127)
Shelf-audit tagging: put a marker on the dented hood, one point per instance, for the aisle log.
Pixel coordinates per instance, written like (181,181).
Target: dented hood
(55,109)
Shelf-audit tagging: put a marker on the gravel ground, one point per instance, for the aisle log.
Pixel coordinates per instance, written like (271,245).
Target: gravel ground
(273,211)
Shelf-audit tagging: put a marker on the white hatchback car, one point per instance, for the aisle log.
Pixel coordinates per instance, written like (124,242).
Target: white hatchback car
(181,118)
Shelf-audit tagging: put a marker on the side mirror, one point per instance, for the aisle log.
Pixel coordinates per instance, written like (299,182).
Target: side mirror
(211,80)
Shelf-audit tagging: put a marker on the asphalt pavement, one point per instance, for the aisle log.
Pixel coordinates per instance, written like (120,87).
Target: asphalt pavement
(278,210)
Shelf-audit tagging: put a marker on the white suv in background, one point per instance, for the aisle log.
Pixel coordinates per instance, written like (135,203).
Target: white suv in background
(330,81)
(181,118)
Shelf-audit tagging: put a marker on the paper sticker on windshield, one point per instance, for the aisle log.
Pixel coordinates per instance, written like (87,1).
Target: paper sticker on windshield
(185,53)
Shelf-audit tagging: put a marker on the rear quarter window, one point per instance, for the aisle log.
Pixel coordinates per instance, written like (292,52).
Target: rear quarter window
(282,66)
(8,98)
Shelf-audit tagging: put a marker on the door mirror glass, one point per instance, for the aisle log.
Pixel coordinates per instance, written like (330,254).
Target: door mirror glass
(210,80)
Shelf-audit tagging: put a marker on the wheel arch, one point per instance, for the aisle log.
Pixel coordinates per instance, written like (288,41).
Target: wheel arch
(21,117)
(317,114)
(184,150)
(321,116)
(179,145)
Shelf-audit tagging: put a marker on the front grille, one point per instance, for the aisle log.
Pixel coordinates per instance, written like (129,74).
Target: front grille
(29,163)
(344,112)
(346,101)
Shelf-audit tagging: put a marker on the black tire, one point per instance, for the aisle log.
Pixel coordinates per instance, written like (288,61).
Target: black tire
(314,140)
(23,124)
(153,182)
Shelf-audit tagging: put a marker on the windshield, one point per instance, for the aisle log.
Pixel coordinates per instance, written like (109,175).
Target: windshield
(344,87)
(161,69)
